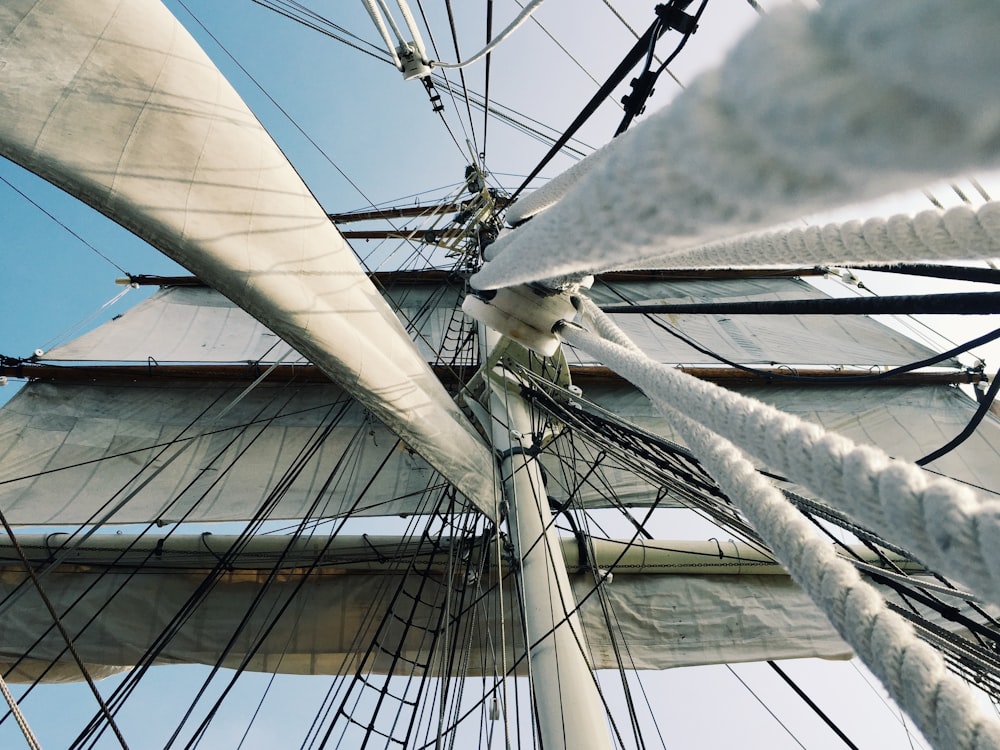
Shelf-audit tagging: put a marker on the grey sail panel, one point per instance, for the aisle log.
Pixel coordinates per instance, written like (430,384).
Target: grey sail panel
(176,451)
(178,324)
(197,324)
(908,422)
(59,425)
(190,324)
(751,339)
(187,451)
(668,621)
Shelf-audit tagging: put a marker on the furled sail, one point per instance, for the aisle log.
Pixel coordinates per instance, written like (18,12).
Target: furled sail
(115,103)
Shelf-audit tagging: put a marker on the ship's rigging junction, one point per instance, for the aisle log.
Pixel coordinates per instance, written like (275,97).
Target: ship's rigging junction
(481,469)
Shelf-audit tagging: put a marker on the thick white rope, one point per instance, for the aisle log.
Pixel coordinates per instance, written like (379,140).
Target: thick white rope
(555,189)
(411,24)
(913,672)
(400,39)
(379,22)
(947,526)
(604,326)
(930,235)
(810,110)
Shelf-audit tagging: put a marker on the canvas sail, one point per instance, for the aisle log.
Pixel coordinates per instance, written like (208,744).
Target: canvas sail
(119,106)
(65,454)
(68,456)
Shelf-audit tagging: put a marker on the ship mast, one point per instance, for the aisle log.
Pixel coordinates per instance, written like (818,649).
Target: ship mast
(568,708)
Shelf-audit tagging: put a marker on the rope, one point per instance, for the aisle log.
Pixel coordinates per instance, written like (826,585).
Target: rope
(57,620)
(22,722)
(411,24)
(511,28)
(945,525)
(373,11)
(832,119)
(554,190)
(913,672)
(959,232)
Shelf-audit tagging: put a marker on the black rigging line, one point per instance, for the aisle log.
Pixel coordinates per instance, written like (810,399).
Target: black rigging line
(461,71)
(765,706)
(637,52)
(957,273)
(57,621)
(562,48)
(948,611)
(928,362)
(809,702)
(285,113)
(981,412)
(668,15)
(68,545)
(323,25)
(671,15)
(518,120)
(128,686)
(486,85)
(962,303)
(61,224)
(315,21)
(71,543)
(613,630)
(166,444)
(429,80)
(339,679)
(273,618)
(378,644)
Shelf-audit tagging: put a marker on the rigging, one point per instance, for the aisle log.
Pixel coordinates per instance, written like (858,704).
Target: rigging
(642,47)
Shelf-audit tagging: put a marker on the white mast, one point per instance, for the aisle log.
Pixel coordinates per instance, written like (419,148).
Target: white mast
(569,710)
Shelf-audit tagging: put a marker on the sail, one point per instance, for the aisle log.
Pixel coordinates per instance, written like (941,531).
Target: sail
(261,566)
(324,617)
(739,606)
(118,105)
(183,445)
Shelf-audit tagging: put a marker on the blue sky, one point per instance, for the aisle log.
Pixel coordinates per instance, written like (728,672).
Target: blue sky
(381,133)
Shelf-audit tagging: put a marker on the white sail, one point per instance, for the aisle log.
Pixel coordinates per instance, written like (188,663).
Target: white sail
(117,104)
(63,453)
(738,607)
(731,619)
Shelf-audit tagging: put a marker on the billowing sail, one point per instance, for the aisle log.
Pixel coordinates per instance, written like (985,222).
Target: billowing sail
(115,103)
(185,442)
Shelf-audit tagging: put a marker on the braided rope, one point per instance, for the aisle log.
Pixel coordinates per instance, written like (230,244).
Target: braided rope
(912,671)
(833,113)
(19,717)
(930,235)
(946,525)
(604,326)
